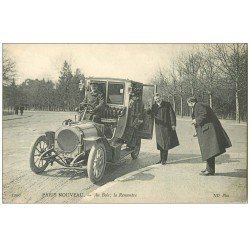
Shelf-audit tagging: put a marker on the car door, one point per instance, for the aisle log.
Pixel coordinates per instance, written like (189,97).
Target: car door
(146,129)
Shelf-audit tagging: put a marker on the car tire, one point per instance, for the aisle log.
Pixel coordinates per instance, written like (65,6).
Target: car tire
(136,151)
(96,162)
(38,147)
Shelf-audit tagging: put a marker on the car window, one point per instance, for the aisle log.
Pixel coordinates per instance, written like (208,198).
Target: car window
(115,93)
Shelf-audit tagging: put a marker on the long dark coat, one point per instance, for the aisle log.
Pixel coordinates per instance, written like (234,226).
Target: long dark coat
(213,140)
(166,137)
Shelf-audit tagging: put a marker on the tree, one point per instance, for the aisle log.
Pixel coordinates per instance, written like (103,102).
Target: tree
(64,85)
(10,95)
(37,94)
(9,68)
(75,94)
(210,75)
(192,69)
(173,75)
(68,93)
(162,84)
(180,81)
(217,74)
(231,60)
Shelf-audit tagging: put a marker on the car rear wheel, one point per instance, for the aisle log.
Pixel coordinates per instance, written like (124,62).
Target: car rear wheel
(137,148)
(96,162)
(37,163)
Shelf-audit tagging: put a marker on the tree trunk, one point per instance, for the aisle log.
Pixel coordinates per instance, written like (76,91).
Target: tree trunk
(237,107)
(174,106)
(210,101)
(192,91)
(181,106)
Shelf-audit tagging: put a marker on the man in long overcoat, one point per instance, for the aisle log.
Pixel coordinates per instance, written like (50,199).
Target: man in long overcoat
(212,138)
(165,127)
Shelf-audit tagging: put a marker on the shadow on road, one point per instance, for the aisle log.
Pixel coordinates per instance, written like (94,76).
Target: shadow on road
(72,174)
(240,173)
(225,158)
(191,158)
(128,165)
(140,177)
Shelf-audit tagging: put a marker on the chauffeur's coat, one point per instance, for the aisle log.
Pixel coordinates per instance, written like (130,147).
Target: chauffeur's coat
(97,100)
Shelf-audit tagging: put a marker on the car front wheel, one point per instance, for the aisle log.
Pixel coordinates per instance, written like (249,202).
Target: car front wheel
(96,162)
(38,162)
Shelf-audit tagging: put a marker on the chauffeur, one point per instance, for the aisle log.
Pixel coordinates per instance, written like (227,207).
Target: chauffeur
(212,138)
(97,100)
(165,127)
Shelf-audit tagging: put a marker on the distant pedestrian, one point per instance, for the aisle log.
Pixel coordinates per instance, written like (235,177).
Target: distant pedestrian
(212,138)
(21,110)
(165,127)
(16,110)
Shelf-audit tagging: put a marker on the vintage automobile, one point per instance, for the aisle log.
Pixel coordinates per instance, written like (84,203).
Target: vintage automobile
(85,144)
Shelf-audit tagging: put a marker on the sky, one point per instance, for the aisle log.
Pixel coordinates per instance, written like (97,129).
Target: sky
(137,62)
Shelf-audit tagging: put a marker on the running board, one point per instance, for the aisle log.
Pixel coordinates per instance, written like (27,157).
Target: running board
(125,152)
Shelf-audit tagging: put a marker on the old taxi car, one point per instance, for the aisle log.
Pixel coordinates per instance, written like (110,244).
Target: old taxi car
(83,143)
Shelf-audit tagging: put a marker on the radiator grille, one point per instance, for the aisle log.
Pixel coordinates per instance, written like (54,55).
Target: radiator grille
(67,140)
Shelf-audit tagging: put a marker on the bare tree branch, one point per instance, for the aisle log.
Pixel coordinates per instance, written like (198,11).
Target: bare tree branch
(8,68)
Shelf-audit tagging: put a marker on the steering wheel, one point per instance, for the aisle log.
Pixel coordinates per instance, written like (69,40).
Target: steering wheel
(89,107)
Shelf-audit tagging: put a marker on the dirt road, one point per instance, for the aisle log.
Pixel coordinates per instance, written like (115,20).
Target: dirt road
(21,185)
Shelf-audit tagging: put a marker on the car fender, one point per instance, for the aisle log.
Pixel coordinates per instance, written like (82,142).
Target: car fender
(50,135)
(95,139)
